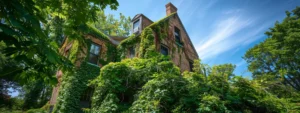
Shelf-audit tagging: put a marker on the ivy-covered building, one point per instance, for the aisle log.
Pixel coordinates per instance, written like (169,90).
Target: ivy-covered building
(166,36)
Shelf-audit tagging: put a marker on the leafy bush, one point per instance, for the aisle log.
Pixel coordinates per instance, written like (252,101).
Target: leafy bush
(36,111)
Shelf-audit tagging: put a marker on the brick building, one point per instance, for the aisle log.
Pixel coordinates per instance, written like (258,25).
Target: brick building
(176,39)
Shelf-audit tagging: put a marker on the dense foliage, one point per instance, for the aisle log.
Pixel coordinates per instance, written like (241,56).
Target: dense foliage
(33,30)
(23,29)
(31,33)
(111,25)
(278,57)
(155,85)
(73,85)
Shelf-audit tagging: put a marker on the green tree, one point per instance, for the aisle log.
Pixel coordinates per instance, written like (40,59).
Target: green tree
(278,57)
(23,31)
(111,25)
(37,94)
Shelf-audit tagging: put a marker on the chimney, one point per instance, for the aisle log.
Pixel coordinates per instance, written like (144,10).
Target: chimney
(170,8)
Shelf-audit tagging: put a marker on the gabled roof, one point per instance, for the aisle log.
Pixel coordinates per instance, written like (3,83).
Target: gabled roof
(163,19)
(139,15)
(91,30)
(187,35)
(172,15)
(136,16)
(117,39)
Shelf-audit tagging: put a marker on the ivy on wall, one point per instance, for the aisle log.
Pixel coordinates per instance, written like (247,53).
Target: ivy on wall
(147,40)
(89,29)
(147,46)
(131,41)
(152,83)
(72,86)
(75,82)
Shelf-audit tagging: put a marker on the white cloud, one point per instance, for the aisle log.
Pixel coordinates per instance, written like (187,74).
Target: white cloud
(242,62)
(233,11)
(221,39)
(229,35)
(257,33)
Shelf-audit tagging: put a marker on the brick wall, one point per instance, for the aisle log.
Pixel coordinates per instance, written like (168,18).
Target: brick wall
(181,56)
(64,51)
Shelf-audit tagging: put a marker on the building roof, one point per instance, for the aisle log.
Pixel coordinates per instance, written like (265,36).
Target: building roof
(117,39)
(171,15)
(139,15)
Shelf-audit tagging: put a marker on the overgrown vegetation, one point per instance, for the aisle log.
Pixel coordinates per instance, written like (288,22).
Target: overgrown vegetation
(29,57)
(277,58)
(31,32)
(154,85)
(73,85)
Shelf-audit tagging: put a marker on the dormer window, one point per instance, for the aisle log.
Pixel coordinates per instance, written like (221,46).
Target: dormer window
(94,53)
(136,26)
(177,34)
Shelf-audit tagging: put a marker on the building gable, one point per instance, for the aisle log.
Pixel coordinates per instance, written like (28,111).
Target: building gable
(187,43)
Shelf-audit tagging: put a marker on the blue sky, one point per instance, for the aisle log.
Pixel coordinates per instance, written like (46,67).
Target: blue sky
(221,30)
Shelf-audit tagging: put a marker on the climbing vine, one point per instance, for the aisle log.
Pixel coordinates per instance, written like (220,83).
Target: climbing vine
(131,41)
(147,46)
(73,85)
(152,83)
(75,82)
(148,40)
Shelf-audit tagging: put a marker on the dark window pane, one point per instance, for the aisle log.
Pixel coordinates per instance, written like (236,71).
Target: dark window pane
(164,50)
(131,52)
(93,58)
(191,65)
(85,99)
(94,53)
(177,34)
(136,26)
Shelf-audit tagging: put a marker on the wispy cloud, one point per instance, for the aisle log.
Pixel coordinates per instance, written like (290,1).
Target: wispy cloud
(240,63)
(221,39)
(232,11)
(231,33)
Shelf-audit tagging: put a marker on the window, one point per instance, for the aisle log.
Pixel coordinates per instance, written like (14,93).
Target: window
(191,65)
(136,26)
(87,94)
(94,53)
(164,50)
(177,34)
(131,52)
(85,99)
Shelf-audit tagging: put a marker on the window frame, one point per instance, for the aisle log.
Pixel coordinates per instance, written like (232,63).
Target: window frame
(131,49)
(167,48)
(177,31)
(97,55)
(138,26)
